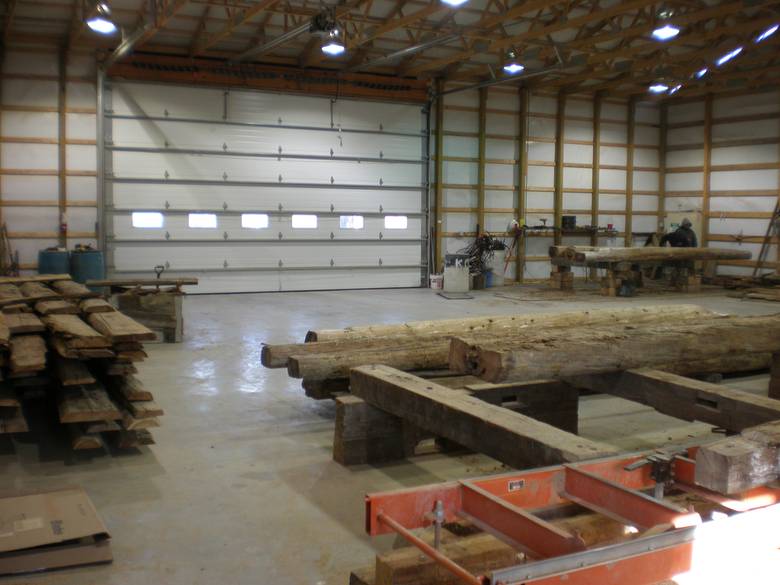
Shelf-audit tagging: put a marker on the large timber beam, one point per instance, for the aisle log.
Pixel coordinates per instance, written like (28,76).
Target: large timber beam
(686,398)
(628,347)
(512,438)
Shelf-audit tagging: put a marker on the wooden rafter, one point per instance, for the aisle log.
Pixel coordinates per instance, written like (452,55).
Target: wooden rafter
(534,33)
(237,18)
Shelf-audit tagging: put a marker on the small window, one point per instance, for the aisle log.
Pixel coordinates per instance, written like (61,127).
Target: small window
(396,222)
(351,222)
(202,220)
(147,219)
(307,222)
(254,221)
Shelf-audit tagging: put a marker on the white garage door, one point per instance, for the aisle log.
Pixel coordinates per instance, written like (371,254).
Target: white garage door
(255,191)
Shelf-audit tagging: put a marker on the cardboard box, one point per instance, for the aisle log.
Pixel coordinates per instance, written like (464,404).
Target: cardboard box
(50,530)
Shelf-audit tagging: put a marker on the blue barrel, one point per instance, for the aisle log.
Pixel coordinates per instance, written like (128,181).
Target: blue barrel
(53,262)
(87,265)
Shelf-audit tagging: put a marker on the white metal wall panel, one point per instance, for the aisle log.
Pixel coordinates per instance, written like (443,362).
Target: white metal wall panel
(180,150)
(29,183)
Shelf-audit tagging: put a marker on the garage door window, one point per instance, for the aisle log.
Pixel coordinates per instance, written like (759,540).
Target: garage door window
(396,222)
(351,222)
(306,222)
(254,221)
(202,220)
(147,219)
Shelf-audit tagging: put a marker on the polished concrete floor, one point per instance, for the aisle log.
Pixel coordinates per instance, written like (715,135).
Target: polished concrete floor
(240,487)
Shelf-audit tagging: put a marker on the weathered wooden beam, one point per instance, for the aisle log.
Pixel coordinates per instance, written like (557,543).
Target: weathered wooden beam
(623,347)
(507,436)
(585,255)
(737,464)
(631,133)
(689,399)
(481,146)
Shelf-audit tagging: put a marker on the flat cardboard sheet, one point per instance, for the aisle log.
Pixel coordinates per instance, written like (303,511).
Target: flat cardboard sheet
(50,529)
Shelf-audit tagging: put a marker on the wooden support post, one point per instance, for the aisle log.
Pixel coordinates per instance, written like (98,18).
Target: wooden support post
(629,222)
(661,209)
(438,215)
(774,377)
(509,437)
(364,434)
(522,180)
(558,171)
(595,176)
(481,160)
(62,104)
(705,191)
(562,278)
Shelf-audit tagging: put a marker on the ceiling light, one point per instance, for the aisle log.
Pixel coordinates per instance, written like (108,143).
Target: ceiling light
(767,33)
(334,46)
(658,88)
(728,56)
(455,2)
(511,64)
(100,20)
(675,89)
(666,32)
(701,73)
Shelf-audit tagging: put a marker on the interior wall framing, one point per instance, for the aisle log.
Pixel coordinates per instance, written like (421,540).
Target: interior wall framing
(48,161)
(723,162)
(520,169)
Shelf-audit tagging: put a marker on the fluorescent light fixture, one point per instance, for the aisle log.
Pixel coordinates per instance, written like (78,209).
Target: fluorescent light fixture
(513,68)
(701,73)
(455,2)
(101,25)
(767,33)
(675,89)
(658,88)
(333,48)
(666,32)
(728,56)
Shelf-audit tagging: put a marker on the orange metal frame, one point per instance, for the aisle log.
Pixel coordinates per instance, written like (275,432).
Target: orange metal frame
(504,506)
(159,68)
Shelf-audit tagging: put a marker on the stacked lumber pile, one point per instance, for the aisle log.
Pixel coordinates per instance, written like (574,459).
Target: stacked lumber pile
(443,347)
(59,338)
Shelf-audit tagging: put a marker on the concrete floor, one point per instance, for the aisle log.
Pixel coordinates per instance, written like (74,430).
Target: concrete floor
(240,487)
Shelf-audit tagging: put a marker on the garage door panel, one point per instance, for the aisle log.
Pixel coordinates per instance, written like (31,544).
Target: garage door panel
(217,256)
(264,108)
(166,101)
(261,140)
(178,151)
(137,196)
(177,166)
